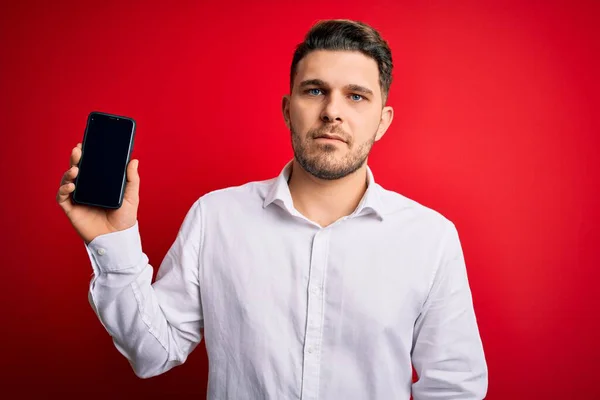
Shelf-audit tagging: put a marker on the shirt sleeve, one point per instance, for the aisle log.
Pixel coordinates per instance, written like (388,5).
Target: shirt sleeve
(155,326)
(447,351)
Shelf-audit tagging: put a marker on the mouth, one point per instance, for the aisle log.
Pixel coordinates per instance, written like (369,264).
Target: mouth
(331,138)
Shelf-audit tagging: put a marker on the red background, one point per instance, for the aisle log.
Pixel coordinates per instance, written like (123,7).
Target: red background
(496,126)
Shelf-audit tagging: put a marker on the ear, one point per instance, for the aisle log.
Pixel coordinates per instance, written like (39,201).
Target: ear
(387,115)
(285,109)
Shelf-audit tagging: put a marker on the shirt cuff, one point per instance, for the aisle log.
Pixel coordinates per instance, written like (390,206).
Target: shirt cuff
(116,250)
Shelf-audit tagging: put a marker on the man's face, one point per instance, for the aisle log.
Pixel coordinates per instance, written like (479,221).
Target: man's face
(335,112)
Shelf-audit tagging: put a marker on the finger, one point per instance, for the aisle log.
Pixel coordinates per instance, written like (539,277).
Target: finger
(70,175)
(76,155)
(132,189)
(62,197)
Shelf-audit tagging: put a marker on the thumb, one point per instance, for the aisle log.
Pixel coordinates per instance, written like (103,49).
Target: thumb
(132,189)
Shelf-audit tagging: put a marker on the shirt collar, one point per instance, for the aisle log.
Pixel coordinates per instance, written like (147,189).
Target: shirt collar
(279,193)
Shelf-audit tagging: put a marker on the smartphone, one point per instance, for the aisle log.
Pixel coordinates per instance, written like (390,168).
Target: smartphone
(105,153)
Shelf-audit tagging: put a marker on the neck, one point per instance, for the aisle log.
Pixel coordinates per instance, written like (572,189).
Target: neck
(326,201)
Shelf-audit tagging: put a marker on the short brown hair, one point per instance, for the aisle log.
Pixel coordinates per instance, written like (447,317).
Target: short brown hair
(344,34)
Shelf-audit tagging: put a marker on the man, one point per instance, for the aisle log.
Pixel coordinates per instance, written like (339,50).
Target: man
(318,284)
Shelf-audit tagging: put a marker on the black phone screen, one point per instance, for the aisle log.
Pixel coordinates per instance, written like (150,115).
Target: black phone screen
(106,148)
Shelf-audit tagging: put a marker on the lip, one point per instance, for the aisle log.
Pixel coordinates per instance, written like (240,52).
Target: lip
(331,137)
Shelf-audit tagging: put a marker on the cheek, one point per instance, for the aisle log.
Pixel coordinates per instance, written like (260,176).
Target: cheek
(364,125)
(301,115)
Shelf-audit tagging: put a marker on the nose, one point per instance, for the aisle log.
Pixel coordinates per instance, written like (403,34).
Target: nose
(332,110)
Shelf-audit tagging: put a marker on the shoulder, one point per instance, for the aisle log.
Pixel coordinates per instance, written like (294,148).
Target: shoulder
(427,229)
(230,198)
(408,211)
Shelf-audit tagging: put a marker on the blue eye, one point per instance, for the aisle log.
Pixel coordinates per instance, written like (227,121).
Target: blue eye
(312,92)
(357,97)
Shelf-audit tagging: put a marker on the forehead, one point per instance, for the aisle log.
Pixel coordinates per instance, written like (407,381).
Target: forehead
(339,68)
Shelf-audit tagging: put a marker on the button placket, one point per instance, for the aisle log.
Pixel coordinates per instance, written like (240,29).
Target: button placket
(314,323)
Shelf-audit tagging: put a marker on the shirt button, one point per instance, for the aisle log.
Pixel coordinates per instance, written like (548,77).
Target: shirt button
(310,350)
(101,251)
(315,290)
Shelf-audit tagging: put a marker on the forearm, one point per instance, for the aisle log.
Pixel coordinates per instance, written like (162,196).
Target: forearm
(124,300)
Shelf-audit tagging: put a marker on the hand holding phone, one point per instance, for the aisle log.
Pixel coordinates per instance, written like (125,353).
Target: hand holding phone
(97,212)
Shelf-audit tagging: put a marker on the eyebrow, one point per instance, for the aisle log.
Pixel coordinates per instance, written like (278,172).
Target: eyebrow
(352,87)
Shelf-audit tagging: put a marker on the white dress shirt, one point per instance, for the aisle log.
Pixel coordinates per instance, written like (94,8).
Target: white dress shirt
(292,310)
